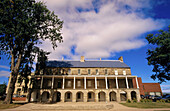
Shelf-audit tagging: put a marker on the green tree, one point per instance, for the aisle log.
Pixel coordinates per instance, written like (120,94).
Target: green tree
(159,55)
(24,24)
(2,89)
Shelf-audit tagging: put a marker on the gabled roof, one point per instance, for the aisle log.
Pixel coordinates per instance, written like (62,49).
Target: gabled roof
(87,64)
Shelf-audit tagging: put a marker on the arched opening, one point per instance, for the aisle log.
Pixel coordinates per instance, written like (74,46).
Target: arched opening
(45,96)
(123,96)
(35,96)
(112,96)
(79,97)
(91,97)
(102,96)
(133,95)
(57,97)
(68,97)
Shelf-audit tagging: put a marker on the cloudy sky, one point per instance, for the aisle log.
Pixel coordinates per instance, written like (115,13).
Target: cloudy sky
(106,29)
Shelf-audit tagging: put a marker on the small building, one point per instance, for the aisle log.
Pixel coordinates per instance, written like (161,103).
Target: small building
(149,88)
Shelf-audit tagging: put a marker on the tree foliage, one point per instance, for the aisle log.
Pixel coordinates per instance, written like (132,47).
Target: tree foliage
(2,89)
(159,55)
(24,24)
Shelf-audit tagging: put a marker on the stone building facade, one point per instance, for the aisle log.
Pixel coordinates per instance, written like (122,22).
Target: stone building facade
(85,81)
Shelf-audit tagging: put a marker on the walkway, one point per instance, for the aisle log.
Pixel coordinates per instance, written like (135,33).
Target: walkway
(101,106)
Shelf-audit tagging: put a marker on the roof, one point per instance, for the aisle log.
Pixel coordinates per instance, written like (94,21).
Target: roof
(87,64)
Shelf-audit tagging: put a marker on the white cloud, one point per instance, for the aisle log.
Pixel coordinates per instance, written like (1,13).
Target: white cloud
(4,73)
(165,88)
(4,67)
(113,29)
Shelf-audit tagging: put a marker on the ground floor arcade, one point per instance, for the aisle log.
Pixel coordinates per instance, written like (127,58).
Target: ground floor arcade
(101,95)
(85,88)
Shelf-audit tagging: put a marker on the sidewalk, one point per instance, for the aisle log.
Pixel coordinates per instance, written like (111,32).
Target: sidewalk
(92,106)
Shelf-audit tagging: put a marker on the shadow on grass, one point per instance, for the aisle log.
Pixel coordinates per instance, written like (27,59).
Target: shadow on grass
(9,106)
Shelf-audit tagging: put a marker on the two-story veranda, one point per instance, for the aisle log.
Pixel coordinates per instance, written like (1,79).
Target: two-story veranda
(85,81)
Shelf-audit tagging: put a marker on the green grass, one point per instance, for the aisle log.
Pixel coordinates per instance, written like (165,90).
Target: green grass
(147,105)
(8,106)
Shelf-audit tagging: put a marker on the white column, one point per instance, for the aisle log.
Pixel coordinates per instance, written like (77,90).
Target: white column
(106,82)
(74,82)
(41,82)
(137,82)
(127,83)
(116,83)
(29,86)
(84,82)
(63,82)
(95,83)
(52,86)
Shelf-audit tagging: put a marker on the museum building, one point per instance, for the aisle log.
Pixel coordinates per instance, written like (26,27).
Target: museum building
(85,81)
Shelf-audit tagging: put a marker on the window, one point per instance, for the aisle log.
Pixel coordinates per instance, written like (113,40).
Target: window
(98,83)
(89,71)
(63,71)
(69,71)
(116,72)
(97,71)
(79,83)
(158,93)
(78,96)
(49,83)
(59,84)
(124,72)
(152,93)
(89,83)
(69,83)
(78,71)
(59,71)
(105,71)
(89,95)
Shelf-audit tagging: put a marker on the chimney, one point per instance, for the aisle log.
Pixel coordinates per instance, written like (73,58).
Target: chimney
(121,58)
(82,59)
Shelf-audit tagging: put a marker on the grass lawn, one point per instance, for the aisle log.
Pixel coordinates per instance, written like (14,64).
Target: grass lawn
(7,106)
(147,105)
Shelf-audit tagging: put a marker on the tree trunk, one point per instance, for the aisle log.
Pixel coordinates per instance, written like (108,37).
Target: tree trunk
(13,76)
(29,94)
(8,99)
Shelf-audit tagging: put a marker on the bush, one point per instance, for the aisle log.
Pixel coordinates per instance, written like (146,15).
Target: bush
(128,101)
(135,101)
(162,101)
(147,100)
(168,101)
(142,100)
(157,101)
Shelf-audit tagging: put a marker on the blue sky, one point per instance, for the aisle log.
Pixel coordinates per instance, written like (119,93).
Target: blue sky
(106,29)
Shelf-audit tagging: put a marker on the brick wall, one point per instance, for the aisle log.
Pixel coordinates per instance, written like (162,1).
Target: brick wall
(147,87)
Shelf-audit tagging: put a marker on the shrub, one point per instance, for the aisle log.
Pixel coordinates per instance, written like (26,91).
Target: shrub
(147,100)
(157,101)
(142,100)
(162,101)
(168,101)
(135,101)
(128,101)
